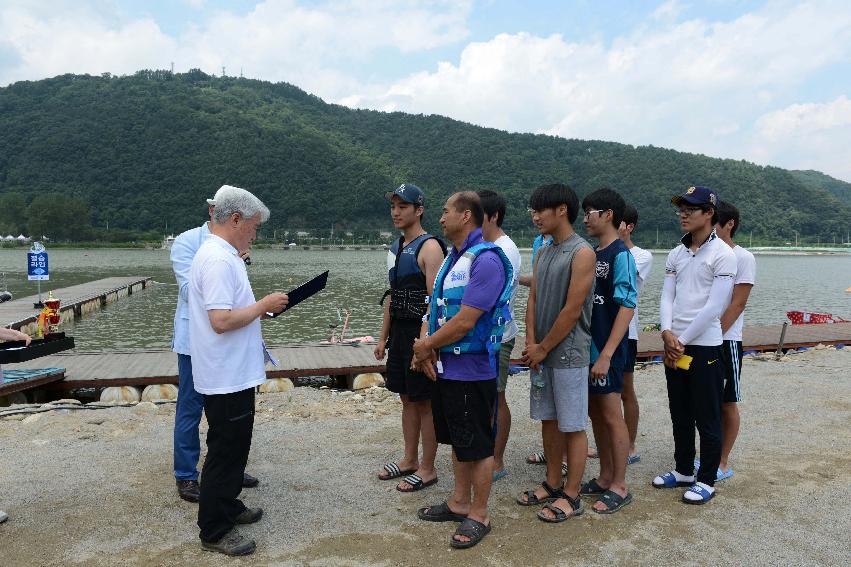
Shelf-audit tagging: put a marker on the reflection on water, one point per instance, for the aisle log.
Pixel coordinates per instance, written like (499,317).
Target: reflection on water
(356,282)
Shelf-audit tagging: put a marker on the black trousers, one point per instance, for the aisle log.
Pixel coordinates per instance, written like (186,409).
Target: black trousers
(231,422)
(694,398)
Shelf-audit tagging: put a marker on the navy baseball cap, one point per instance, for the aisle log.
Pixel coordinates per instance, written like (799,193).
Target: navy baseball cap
(697,195)
(409,193)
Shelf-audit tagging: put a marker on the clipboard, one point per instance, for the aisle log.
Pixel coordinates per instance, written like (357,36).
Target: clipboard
(304,291)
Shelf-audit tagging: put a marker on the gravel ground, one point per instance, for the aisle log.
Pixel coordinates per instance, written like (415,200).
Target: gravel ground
(95,487)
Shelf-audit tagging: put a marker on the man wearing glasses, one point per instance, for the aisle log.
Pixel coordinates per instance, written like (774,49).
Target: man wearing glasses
(698,282)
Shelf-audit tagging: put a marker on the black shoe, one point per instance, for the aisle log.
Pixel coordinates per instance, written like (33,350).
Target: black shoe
(189,490)
(231,544)
(249,481)
(249,516)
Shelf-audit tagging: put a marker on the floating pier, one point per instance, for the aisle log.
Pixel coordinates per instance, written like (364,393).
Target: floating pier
(19,380)
(145,367)
(77,300)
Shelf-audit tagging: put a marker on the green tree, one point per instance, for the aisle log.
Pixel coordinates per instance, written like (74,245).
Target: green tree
(59,217)
(13,213)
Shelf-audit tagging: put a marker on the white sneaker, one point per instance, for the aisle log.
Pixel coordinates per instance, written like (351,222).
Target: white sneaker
(3,516)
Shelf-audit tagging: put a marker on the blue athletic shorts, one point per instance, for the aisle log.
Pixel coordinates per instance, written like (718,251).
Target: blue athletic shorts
(631,354)
(612,383)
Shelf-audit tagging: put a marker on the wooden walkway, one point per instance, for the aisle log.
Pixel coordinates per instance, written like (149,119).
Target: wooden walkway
(19,380)
(766,338)
(77,300)
(144,367)
(140,368)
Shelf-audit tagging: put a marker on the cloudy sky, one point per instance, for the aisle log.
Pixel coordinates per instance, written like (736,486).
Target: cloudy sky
(769,82)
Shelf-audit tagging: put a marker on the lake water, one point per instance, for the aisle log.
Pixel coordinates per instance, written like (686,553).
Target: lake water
(356,282)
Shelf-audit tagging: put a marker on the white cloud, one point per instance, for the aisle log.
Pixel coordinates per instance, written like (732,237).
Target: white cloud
(805,119)
(306,43)
(668,10)
(694,85)
(76,41)
(812,135)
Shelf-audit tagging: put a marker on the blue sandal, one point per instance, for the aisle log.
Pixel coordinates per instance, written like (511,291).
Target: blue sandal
(705,495)
(669,480)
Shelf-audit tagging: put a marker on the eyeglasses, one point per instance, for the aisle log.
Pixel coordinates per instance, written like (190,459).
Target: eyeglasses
(589,213)
(687,211)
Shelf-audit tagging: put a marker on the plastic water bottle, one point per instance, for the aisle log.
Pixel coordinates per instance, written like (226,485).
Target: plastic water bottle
(536,381)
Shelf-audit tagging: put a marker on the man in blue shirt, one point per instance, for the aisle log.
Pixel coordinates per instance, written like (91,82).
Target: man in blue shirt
(615,297)
(467,315)
(190,404)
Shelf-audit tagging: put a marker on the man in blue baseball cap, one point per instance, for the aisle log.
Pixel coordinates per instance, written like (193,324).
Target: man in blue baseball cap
(696,195)
(698,282)
(412,264)
(409,193)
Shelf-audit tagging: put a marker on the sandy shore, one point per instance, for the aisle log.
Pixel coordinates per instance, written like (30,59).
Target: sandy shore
(95,487)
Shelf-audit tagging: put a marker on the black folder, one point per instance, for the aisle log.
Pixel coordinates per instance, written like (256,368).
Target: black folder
(304,291)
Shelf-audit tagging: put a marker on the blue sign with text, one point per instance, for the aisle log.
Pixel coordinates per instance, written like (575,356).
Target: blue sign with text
(37,266)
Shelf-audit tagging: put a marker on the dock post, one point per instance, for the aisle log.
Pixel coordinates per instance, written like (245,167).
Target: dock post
(779,352)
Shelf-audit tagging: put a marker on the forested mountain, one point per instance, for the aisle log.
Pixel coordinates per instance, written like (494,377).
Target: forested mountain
(836,187)
(142,152)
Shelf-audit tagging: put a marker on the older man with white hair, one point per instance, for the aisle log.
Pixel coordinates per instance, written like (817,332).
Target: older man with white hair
(190,404)
(228,362)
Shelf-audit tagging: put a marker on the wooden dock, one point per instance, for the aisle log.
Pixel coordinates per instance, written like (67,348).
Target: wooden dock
(19,380)
(144,367)
(77,300)
(766,338)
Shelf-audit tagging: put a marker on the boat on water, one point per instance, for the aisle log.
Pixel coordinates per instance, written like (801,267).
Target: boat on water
(167,242)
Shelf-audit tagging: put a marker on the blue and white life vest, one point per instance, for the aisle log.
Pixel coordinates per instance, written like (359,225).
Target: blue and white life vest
(449,285)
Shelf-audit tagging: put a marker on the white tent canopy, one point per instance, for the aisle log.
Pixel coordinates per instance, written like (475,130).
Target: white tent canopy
(23,238)
(9,237)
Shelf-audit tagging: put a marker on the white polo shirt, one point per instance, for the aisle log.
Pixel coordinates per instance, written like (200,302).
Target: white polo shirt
(510,249)
(695,274)
(232,361)
(745,274)
(643,265)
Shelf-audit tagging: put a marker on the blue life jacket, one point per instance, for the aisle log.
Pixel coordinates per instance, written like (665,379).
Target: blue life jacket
(408,297)
(449,285)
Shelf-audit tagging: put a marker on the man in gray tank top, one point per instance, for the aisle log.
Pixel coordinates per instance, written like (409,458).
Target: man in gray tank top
(558,343)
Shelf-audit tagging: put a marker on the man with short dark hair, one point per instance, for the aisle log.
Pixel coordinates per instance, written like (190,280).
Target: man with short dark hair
(558,340)
(228,356)
(615,297)
(412,264)
(494,209)
(699,277)
(468,312)
(732,322)
(643,265)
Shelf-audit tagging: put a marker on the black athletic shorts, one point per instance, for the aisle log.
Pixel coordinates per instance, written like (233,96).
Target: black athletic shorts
(463,417)
(400,378)
(731,355)
(631,354)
